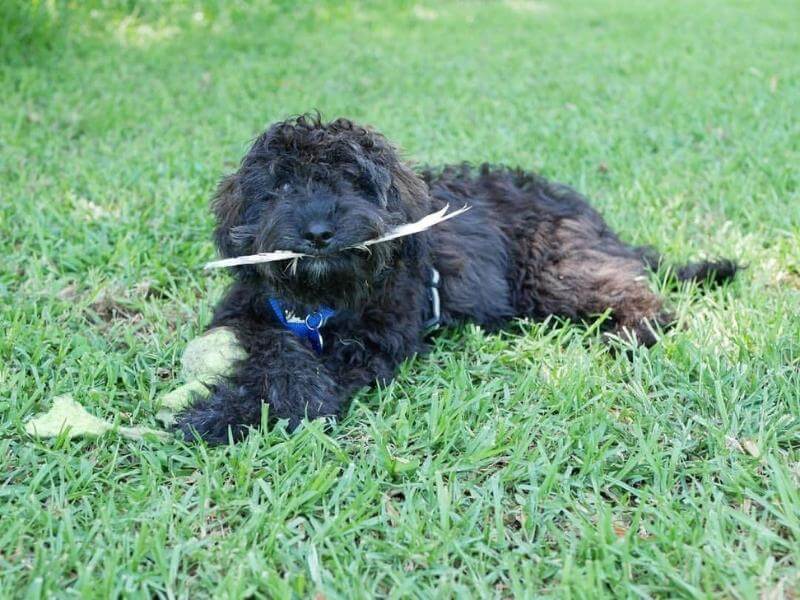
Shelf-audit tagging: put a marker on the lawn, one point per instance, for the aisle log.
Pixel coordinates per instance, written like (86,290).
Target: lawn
(514,465)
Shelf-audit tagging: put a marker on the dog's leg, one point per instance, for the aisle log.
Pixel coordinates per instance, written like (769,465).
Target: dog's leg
(280,371)
(588,286)
(588,272)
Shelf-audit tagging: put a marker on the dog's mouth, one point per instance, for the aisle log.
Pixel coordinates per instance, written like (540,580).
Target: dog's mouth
(316,267)
(318,263)
(339,249)
(399,231)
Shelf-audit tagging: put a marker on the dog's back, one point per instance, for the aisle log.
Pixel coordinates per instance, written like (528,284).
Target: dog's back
(532,248)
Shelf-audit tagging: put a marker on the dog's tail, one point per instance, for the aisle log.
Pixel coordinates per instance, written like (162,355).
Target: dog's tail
(708,273)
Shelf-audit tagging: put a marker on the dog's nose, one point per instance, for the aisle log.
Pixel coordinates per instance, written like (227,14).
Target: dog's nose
(319,233)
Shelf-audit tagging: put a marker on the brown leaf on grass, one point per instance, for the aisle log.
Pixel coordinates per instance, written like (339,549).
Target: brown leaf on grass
(773,84)
(396,494)
(620,416)
(747,504)
(143,288)
(68,293)
(109,308)
(620,529)
(751,448)
(415,562)
(733,444)
(147,288)
(91,211)
(782,590)
(391,510)
(744,446)
(780,277)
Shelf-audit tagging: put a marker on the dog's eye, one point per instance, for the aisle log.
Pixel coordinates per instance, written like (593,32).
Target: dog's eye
(285,188)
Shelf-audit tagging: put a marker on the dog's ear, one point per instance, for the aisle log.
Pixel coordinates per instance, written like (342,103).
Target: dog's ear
(227,207)
(374,177)
(411,191)
(411,195)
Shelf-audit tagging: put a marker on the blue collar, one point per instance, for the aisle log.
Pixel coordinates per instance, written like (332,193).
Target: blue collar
(306,328)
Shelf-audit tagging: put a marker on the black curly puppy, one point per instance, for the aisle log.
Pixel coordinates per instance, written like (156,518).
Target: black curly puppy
(317,331)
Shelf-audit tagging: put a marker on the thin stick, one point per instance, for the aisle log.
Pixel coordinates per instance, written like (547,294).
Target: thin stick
(424,223)
(253,259)
(411,228)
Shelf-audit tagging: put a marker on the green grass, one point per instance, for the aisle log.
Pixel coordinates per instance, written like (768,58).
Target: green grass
(499,465)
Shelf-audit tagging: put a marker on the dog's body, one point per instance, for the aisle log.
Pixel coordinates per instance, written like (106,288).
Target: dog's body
(527,248)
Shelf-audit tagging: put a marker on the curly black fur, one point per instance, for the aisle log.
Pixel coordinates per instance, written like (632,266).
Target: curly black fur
(527,248)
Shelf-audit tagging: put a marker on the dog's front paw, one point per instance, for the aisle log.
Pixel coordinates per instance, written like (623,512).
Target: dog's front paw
(212,420)
(202,424)
(231,410)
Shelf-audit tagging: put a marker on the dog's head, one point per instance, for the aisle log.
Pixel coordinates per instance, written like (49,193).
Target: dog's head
(319,189)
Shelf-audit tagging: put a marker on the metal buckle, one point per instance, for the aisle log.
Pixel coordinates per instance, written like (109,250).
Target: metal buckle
(432,324)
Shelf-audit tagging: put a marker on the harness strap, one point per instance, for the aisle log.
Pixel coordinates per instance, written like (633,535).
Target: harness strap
(308,327)
(432,324)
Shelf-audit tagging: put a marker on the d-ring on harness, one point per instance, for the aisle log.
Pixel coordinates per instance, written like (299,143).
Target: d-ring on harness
(307,328)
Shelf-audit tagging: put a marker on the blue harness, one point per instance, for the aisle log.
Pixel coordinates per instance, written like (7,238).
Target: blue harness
(307,328)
